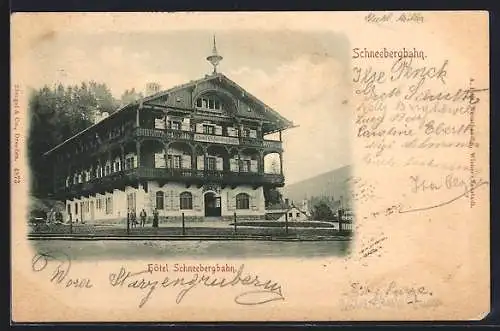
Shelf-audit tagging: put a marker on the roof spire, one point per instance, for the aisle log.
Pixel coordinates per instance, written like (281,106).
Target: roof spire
(215,58)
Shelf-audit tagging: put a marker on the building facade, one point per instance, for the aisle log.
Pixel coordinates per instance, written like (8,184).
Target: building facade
(198,149)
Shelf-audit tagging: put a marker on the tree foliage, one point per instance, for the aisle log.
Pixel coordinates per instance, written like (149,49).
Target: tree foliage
(272,196)
(57,114)
(130,96)
(321,211)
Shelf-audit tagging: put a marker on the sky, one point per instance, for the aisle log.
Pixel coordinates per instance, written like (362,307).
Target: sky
(303,75)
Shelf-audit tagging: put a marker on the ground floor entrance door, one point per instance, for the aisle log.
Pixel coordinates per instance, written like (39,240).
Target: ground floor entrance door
(212,205)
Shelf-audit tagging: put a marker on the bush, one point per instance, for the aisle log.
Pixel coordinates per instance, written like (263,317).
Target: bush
(321,211)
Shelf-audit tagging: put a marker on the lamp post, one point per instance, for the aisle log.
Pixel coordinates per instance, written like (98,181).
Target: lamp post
(234,222)
(183,225)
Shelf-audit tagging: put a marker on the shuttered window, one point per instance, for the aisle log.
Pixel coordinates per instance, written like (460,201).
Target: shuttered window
(245,165)
(200,162)
(211,163)
(186,161)
(174,161)
(208,129)
(233,165)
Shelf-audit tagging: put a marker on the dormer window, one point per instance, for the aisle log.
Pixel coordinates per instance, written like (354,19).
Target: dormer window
(209,103)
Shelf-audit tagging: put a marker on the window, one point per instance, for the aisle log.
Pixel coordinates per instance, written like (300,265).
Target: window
(175,125)
(129,162)
(69,208)
(159,200)
(242,201)
(76,208)
(290,214)
(174,161)
(186,200)
(208,129)
(109,205)
(245,165)
(298,215)
(245,132)
(211,163)
(209,102)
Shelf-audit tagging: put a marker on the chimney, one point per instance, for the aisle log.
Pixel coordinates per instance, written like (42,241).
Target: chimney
(152,88)
(97,116)
(287,202)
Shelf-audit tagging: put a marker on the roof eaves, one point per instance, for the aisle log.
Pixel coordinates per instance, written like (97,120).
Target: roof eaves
(265,106)
(89,128)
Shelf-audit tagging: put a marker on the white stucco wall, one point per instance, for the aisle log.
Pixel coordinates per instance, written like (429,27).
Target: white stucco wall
(171,206)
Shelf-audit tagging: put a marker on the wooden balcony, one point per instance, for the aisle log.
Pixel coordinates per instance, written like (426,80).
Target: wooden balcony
(179,134)
(149,133)
(251,142)
(272,144)
(119,179)
(207,138)
(201,176)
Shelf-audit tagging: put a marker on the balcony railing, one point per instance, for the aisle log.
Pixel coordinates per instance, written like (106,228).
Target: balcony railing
(273,144)
(204,175)
(178,134)
(250,141)
(182,175)
(209,138)
(152,133)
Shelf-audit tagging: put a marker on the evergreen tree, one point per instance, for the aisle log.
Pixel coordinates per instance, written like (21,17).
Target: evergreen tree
(57,114)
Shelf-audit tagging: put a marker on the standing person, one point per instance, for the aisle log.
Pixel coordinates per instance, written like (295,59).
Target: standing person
(155,218)
(59,217)
(143,217)
(133,219)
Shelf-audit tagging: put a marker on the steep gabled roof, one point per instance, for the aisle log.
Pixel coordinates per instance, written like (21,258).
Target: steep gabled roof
(268,113)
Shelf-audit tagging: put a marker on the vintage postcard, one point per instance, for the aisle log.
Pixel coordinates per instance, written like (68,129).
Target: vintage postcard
(246,166)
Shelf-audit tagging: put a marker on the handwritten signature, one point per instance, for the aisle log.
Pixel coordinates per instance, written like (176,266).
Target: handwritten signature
(261,292)
(450,181)
(60,273)
(399,208)
(475,185)
(392,294)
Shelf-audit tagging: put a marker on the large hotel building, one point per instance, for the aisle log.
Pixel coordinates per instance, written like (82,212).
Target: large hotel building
(198,149)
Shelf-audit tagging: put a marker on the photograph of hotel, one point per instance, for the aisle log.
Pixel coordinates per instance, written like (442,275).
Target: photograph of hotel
(198,149)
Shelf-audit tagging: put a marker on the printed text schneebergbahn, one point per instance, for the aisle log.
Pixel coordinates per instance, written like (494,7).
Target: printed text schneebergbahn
(187,268)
